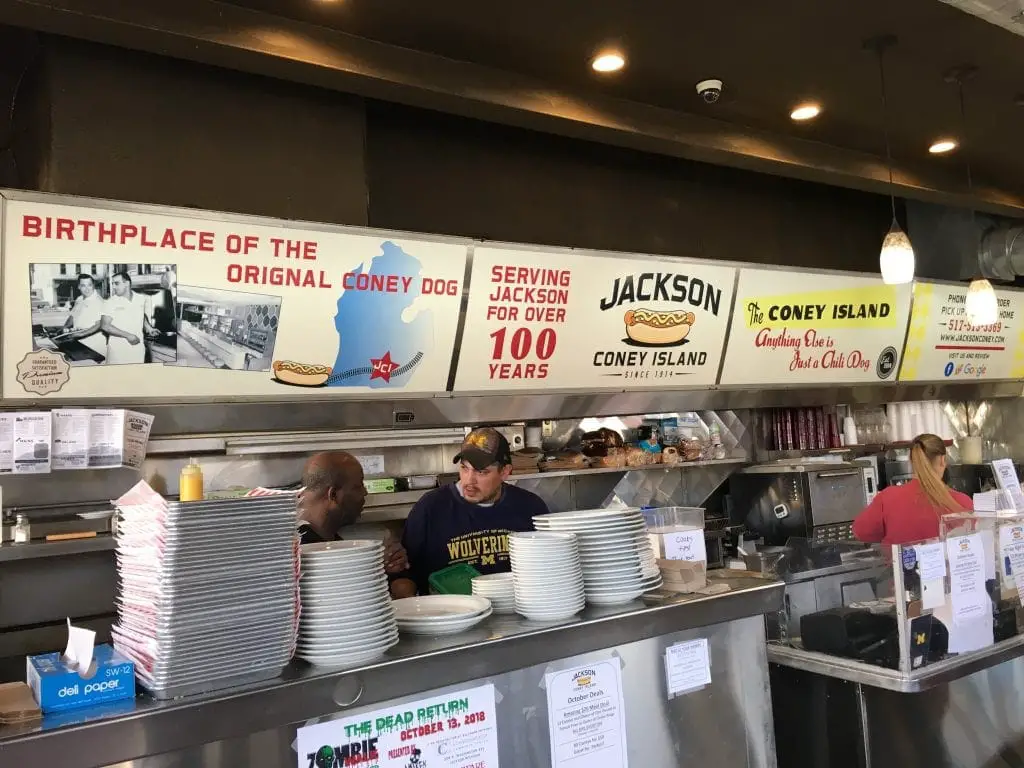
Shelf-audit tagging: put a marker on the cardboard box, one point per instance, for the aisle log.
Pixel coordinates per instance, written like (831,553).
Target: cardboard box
(58,687)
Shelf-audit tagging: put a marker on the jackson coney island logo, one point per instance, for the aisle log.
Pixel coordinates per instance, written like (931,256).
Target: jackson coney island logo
(655,340)
(584,678)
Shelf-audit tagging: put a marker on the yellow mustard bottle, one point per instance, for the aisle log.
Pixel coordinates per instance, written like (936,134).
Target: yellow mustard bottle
(190,482)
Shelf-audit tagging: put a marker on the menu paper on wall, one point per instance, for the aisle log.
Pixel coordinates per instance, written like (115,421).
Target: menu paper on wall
(967,578)
(803,328)
(137,427)
(586,716)
(6,443)
(1006,478)
(451,731)
(105,302)
(942,344)
(687,666)
(71,438)
(32,443)
(546,320)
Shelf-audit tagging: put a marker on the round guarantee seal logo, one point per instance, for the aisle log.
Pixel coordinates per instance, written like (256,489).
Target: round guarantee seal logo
(886,363)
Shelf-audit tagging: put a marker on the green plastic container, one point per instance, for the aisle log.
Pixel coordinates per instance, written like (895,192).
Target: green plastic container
(453,580)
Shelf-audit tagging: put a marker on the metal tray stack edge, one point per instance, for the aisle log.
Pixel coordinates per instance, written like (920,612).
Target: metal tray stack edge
(208,578)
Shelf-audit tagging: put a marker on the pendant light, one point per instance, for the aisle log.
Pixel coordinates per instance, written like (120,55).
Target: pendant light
(896,260)
(982,305)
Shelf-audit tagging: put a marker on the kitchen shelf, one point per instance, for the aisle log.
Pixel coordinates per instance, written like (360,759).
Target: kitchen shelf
(861,449)
(35,549)
(623,470)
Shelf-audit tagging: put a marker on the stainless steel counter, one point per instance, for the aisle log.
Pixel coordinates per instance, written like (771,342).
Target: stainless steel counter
(831,712)
(939,673)
(142,728)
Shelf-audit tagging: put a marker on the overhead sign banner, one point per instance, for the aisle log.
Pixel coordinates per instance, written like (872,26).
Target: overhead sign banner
(109,303)
(942,344)
(540,320)
(801,328)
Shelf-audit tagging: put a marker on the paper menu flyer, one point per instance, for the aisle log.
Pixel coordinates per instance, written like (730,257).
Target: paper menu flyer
(31,443)
(586,716)
(1006,477)
(6,443)
(72,438)
(136,437)
(1011,554)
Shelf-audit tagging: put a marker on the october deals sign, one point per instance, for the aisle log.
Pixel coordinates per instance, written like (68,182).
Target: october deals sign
(541,320)
(943,344)
(805,328)
(159,303)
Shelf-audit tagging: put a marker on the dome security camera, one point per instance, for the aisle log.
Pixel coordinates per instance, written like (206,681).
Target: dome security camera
(710,90)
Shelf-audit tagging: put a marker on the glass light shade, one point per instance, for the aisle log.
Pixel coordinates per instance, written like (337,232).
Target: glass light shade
(982,307)
(896,260)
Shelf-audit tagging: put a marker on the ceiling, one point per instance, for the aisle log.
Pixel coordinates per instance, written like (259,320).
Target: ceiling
(1008,14)
(526,63)
(770,55)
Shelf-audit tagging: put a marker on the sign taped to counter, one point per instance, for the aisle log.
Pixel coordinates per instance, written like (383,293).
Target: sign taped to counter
(450,731)
(803,328)
(151,303)
(546,320)
(943,345)
(587,716)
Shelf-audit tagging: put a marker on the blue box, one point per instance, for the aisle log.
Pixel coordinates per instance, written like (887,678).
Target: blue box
(58,687)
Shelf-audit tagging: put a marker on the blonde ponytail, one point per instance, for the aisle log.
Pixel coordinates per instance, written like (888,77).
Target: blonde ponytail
(923,453)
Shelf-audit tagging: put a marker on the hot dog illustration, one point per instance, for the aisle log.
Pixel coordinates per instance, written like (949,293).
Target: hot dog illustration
(301,374)
(649,326)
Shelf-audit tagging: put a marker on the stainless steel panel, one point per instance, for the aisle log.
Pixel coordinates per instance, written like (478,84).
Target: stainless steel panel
(191,417)
(500,646)
(836,495)
(726,724)
(937,674)
(973,722)
(971,718)
(36,592)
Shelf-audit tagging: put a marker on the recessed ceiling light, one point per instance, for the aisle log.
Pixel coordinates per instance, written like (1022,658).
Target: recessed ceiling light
(942,146)
(805,112)
(608,61)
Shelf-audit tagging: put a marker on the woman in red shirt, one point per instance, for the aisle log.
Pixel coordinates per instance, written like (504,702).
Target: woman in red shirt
(903,514)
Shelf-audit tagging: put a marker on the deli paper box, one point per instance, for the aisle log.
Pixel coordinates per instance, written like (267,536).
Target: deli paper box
(57,686)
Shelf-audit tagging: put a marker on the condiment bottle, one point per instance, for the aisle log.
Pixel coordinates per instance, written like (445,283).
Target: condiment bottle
(190,482)
(22,531)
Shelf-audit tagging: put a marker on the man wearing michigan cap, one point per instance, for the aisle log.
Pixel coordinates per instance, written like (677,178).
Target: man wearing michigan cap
(469,521)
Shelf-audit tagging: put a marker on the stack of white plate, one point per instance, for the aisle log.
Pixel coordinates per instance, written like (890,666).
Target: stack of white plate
(547,575)
(499,588)
(200,605)
(440,614)
(616,556)
(347,616)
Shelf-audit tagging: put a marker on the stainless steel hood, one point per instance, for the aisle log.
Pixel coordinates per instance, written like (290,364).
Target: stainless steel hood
(434,412)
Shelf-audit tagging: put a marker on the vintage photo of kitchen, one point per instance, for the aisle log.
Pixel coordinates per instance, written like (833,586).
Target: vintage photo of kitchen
(232,330)
(105,314)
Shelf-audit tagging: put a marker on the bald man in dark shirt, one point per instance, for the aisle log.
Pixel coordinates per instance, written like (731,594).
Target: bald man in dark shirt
(332,497)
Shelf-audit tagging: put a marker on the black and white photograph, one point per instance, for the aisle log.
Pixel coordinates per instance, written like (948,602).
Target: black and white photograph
(105,314)
(232,330)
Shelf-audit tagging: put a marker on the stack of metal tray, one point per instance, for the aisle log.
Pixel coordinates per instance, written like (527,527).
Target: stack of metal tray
(207,592)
